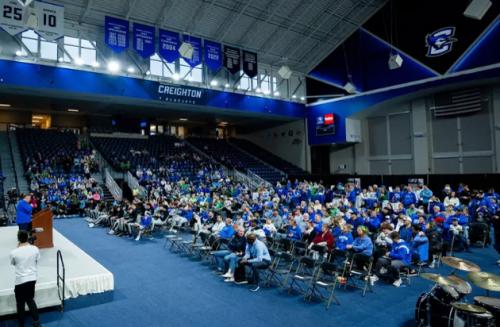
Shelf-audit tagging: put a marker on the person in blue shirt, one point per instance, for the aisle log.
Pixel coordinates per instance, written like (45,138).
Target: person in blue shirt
(400,257)
(256,257)
(420,244)
(293,232)
(406,231)
(425,195)
(228,231)
(144,224)
(23,213)
(362,248)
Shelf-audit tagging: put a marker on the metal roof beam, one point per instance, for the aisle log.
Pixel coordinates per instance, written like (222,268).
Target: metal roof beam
(225,28)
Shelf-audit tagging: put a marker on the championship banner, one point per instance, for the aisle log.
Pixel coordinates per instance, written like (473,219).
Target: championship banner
(196,44)
(168,48)
(12,17)
(144,40)
(250,63)
(232,59)
(50,20)
(213,55)
(116,33)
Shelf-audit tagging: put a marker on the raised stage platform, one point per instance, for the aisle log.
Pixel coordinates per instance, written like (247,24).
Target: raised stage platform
(84,275)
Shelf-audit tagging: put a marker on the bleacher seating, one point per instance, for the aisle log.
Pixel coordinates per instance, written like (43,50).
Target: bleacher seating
(50,149)
(270,158)
(233,157)
(167,152)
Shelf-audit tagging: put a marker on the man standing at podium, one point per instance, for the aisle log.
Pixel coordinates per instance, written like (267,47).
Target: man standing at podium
(23,213)
(25,260)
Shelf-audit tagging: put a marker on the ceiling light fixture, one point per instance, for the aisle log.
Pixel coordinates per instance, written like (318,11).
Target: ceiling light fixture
(73,110)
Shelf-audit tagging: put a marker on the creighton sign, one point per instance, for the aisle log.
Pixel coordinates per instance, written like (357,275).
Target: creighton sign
(181,94)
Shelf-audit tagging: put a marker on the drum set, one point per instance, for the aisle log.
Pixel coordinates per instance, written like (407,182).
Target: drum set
(445,304)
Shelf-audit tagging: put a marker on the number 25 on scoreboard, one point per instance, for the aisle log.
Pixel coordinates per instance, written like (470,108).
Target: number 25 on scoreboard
(14,13)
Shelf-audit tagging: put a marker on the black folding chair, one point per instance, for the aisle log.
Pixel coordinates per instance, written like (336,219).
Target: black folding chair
(325,281)
(279,269)
(358,277)
(302,275)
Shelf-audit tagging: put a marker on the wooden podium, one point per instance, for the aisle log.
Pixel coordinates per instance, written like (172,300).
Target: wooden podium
(43,219)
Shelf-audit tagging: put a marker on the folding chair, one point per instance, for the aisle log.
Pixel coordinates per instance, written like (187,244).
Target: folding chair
(302,275)
(358,278)
(279,269)
(325,280)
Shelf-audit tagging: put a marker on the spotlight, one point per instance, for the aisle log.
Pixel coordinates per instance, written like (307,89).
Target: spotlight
(131,70)
(285,72)
(183,119)
(73,110)
(350,88)
(276,94)
(78,61)
(60,59)
(19,53)
(302,98)
(266,92)
(477,9)
(113,66)
(395,61)
(258,90)
(214,82)
(294,96)
(226,85)
(95,64)
(148,73)
(176,77)
(186,50)
(5,105)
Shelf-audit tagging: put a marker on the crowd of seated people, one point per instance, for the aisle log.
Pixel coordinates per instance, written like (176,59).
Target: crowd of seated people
(379,231)
(58,169)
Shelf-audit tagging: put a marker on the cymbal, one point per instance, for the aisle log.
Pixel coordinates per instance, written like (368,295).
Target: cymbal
(460,285)
(460,264)
(469,307)
(485,280)
(437,279)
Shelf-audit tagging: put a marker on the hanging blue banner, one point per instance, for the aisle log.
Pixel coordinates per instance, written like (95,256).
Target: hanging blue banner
(169,45)
(213,55)
(116,33)
(144,40)
(196,44)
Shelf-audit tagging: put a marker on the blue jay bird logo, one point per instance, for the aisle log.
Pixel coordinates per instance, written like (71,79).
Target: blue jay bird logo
(440,42)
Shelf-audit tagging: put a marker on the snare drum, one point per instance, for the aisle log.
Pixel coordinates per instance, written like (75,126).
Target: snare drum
(468,319)
(491,304)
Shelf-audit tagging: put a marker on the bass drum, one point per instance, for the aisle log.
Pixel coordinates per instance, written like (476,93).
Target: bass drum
(492,305)
(440,298)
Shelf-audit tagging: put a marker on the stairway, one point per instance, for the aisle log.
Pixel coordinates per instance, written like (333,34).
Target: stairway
(6,163)
(18,164)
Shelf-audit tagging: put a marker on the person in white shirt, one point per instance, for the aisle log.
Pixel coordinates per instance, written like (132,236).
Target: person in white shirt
(25,260)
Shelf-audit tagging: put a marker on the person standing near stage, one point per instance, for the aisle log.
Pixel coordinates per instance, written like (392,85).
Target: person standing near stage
(23,213)
(25,260)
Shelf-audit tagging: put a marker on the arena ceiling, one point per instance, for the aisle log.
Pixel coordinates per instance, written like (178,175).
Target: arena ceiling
(298,33)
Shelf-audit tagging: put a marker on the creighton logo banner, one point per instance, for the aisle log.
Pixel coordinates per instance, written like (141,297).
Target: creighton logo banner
(440,42)
(182,94)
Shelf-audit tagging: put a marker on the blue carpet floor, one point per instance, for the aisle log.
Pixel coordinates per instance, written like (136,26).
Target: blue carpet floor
(154,287)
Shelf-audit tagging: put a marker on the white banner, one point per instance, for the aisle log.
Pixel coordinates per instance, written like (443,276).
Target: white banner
(50,20)
(12,16)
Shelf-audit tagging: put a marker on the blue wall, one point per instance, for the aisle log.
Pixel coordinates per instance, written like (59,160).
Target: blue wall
(40,77)
(349,106)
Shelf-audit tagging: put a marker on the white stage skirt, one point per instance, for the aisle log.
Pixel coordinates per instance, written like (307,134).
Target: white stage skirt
(84,275)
